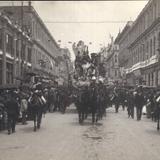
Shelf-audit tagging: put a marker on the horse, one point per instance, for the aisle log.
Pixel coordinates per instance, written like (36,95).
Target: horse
(36,106)
(80,100)
(101,105)
(93,105)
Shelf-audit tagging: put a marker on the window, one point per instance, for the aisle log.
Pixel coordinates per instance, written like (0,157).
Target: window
(149,79)
(9,73)
(17,49)
(33,28)
(147,19)
(0,72)
(136,55)
(9,44)
(133,58)
(23,51)
(147,49)
(139,54)
(29,55)
(152,78)
(154,45)
(159,39)
(151,48)
(159,78)
(37,56)
(143,52)
(1,41)
(115,73)
(155,12)
(115,59)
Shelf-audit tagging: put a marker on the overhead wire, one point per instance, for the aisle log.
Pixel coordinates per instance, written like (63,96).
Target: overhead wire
(85,21)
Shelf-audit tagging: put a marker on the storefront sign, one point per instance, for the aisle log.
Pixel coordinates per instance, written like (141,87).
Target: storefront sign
(139,65)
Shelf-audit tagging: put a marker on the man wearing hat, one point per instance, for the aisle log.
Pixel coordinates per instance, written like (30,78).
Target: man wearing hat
(12,112)
(139,102)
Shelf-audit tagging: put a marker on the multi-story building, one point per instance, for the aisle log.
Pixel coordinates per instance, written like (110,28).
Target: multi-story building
(45,50)
(144,46)
(122,40)
(111,64)
(15,52)
(65,67)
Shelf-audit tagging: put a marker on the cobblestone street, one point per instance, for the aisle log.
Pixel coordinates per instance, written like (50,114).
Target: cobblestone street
(61,138)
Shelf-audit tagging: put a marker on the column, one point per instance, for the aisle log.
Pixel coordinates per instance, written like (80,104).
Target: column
(14,63)
(19,55)
(26,57)
(156,78)
(158,8)
(4,56)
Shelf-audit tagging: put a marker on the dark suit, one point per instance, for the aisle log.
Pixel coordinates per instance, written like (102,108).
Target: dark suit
(12,112)
(139,102)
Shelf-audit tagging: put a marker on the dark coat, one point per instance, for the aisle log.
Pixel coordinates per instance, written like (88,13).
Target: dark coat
(139,100)
(12,107)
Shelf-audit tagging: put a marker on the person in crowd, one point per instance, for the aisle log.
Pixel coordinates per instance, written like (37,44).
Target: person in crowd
(12,112)
(46,96)
(93,99)
(130,104)
(139,102)
(51,99)
(116,100)
(57,100)
(24,108)
(2,110)
(122,98)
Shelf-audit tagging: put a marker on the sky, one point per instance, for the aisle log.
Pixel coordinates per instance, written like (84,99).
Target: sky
(83,20)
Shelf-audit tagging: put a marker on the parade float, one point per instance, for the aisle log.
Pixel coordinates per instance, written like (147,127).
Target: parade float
(88,67)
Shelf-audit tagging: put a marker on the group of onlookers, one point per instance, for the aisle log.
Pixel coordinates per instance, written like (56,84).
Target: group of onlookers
(139,98)
(11,105)
(18,105)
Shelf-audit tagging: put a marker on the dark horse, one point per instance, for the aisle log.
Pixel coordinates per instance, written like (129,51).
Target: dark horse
(82,104)
(93,105)
(36,106)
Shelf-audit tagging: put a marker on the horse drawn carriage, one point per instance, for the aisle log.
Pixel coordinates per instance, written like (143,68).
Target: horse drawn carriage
(88,83)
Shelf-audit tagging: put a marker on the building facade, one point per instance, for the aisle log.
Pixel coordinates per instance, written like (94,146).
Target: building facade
(15,52)
(45,50)
(144,47)
(122,40)
(65,67)
(111,64)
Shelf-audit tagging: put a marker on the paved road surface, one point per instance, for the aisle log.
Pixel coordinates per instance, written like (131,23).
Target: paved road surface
(61,138)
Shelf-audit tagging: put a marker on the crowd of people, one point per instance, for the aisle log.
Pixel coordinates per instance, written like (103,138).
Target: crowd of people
(95,98)
(138,98)
(23,105)
(19,105)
